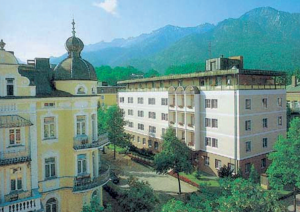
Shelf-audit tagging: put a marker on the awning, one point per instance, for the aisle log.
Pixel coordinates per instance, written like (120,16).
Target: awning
(11,121)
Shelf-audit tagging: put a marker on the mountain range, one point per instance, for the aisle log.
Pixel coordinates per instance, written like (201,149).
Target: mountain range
(267,38)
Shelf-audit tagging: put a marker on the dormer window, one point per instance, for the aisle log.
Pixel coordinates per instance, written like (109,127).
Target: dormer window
(81,90)
(9,86)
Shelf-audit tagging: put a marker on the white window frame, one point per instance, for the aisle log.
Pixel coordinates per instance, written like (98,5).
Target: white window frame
(265,142)
(81,166)
(15,136)
(248,105)
(50,165)
(85,121)
(248,146)
(248,128)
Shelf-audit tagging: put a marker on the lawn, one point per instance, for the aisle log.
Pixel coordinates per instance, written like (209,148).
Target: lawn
(204,178)
(118,149)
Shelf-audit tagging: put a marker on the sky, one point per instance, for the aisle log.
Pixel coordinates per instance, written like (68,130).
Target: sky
(39,28)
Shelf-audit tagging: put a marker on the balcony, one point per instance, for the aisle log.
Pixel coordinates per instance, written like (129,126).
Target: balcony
(18,202)
(82,142)
(14,155)
(86,182)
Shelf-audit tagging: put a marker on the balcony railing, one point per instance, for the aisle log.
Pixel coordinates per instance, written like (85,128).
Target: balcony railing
(31,203)
(82,142)
(14,155)
(83,183)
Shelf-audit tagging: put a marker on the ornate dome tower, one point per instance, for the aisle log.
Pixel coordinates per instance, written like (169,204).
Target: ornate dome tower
(74,67)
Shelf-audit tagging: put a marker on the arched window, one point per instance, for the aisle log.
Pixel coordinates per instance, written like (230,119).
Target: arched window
(81,90)
(51,205)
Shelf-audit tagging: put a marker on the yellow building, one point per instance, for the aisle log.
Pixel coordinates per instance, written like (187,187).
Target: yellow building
(108,95)
(49,148)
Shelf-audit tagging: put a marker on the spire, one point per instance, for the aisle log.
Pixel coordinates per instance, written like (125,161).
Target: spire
(73,32)
(2,44)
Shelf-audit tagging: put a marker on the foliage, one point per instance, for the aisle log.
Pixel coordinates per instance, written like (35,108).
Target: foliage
(238,195)
(253,175)
(139,197)
(95,207)
(102,120)
(284,169)
(198,174)
(225,171)
(152,73)
(113,75)
(115,127)
(185,68)
(175,155)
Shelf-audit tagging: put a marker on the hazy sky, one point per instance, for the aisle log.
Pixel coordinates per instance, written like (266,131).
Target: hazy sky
(39,28)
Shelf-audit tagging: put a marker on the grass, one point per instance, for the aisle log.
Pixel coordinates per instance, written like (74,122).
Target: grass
(118,149)
(204,178)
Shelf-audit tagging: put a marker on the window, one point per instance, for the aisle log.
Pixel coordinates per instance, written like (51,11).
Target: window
(152,129)
(149,143)
(140,113)
(130,124)
(214,142)
(81,90)
(164,101)
(279,102)
(14,136)
(202,82)
(51,205)
(218,164)
(215,123)
(265,142)
(265,123)
(206,161)
(80,124)
(248,104)
(207,103)
(265,102)
(164,116)
(49,127)
(207,141)
(152,115)
(15,179)
(151,101)
(163,131)
(49,104)
(207,122)
(102,97)
(130,112)
(247,167)
(219,81)
(248,125)
(81,164)
(144,141)
(214,103)
(138,139)
(248,146)
(121,99)
(140,126)
(263,163)
(228,80)
(130,99)
(10,87)
(279,120)
(155,145)
(231,166)
(50,167)
(140,100)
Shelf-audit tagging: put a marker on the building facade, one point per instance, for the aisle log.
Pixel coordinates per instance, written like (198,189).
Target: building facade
(108,95)
(50,148)
(229,116)
(293,98)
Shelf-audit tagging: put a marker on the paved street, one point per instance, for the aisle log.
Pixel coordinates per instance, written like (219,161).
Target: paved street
(161,183)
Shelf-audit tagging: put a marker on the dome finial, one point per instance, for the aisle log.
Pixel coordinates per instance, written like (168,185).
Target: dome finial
(2,44)
(73,23)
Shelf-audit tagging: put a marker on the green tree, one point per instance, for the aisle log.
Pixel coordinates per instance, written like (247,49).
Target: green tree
(95,206)
(115,128)
(139,197)
(177,206)
(102,120)
(285,166)
(253,175)
(174,155)
(243,195)
(225,171)
(152,73)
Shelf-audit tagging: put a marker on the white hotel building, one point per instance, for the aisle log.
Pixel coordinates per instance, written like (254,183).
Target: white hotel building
(227,115)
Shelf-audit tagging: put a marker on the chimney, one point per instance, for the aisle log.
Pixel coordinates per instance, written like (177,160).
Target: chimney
(294,81)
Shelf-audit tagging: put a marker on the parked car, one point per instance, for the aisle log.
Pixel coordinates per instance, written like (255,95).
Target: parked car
(114,178)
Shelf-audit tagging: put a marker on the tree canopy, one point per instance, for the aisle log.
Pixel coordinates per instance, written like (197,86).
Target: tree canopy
(175,155)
